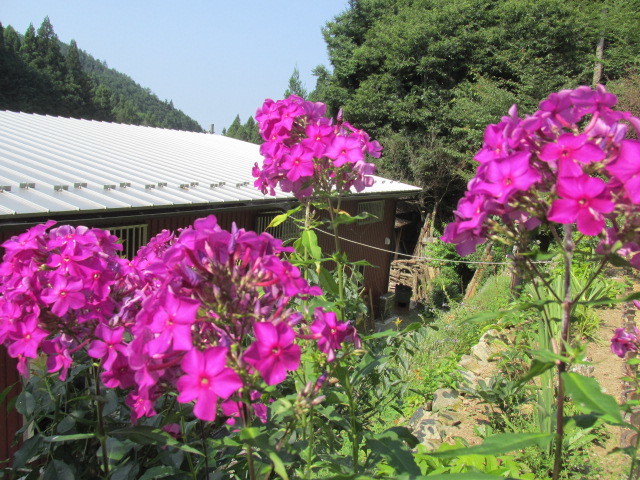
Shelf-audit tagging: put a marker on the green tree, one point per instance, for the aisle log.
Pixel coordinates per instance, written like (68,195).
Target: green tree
(235,130)
(295,85)
(425,76)
(251,132)
(78,86)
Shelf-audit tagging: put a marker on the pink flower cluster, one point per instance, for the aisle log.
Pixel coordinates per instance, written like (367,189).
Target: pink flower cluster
(306,152)
(624,341)
(567,163)
(56,288)
(206,313)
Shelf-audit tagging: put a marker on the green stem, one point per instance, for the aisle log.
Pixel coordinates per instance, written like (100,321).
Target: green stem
(567,306)
(354,437)
(183,429)
(204,448)
(632,473)
(244,415)
(310,436)
(338,256)
(101,432)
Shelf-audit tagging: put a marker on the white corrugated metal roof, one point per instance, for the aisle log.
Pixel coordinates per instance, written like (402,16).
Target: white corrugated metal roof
(57,165)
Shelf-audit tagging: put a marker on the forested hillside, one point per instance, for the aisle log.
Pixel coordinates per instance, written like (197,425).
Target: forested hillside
(425,76)
(39,74)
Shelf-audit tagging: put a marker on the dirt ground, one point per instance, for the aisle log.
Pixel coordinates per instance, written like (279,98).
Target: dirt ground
(607,369)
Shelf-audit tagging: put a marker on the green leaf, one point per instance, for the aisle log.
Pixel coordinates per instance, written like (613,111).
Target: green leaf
(278,465)
(464,476)
(70,438)
(161,471)
(327,282)
(25,404)
(498,444)
(66,424)
(57,470)
(586,392)
(145,435)
(6,392)
(618,261)
(384,333)
(390,446)
(277,220)
(537,368)
(310,242)
(30,448)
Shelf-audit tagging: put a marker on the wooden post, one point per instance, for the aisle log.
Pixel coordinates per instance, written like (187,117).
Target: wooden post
(487,256)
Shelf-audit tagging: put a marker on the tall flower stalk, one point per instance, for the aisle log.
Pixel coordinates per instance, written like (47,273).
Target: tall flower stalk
(569,163)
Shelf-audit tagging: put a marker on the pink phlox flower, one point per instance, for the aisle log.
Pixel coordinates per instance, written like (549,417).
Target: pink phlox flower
(274,351)
(466,240)
(65,293)
(560,106)
(510,175)
(173,320)
(140,405)
(344,150)
(143,360)
(59,357)
(318,138)
(298,163)
(329,331)
(120,375)
(26,337)
(108,346)
(570,151)
(624,341)
(231,408)
(471,213)
(495,145)
(626,168)
(584,199)
(206,379)
(26,243)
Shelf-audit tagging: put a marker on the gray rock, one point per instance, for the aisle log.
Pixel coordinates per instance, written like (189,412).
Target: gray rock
(427,429)
(482,351)
(446,399)
(449,419)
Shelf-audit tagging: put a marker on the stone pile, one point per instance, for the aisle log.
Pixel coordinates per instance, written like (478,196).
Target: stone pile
(443,419)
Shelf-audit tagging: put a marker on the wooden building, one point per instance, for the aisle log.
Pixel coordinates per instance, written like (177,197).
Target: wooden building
(137,181)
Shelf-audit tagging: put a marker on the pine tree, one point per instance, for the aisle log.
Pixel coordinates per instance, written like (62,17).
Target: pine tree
(251,133)
(78,86)
(295,85)
(235,129)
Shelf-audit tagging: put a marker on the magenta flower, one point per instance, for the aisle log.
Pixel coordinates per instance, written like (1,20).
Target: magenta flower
(330,332)
(344,150)
(510,175)
(627,168)
(109,345)
(173,322)
(299,163)
(623,342)
(64,294)
(583,199)
(570,151)
(26,338)
(273,353)
(206,379)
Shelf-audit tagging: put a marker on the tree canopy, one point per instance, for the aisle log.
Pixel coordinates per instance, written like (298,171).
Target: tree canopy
(426,76)
(40,74)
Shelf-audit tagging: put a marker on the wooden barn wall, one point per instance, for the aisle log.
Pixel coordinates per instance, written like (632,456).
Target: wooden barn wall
(376,278)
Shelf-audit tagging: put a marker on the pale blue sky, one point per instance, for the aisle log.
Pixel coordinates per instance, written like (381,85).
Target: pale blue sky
(214,59)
